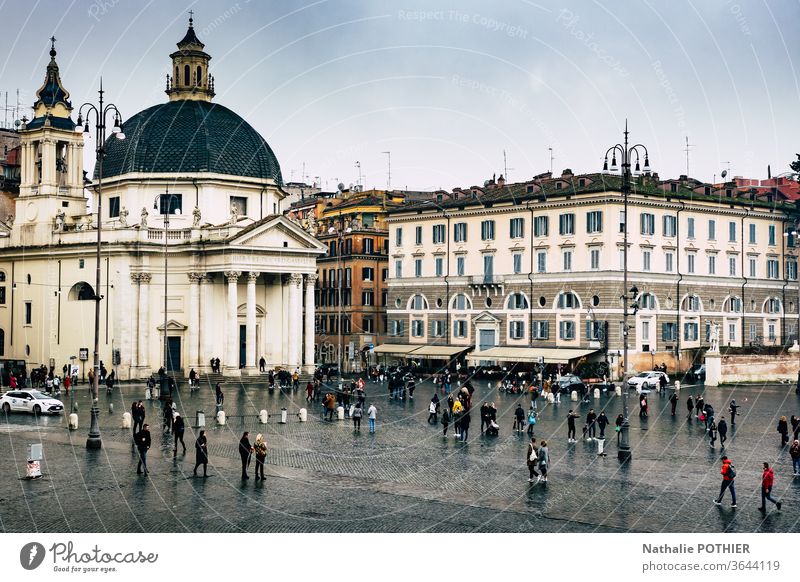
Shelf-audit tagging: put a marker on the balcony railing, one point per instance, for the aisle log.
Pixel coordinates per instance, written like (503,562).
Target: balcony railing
(485,280)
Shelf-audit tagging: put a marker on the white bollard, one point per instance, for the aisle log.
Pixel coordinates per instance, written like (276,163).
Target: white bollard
(618,390)
(263,416)
(597,393)
(600,446)
(551,397)
(574,396)
(126,420)
(111,408)
(73,421)
(302,415)
(284,416)
(677,385)
(221,417)
(340,413)
(147,394)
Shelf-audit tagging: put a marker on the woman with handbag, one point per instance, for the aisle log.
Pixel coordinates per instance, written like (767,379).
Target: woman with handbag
(260,449)
(532,459)
(544,460)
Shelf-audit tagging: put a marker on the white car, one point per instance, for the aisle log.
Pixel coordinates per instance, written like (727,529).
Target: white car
(646,381)
(30,401)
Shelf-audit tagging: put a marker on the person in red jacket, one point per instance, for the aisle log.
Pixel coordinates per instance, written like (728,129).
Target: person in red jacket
(728,475)
(767,480)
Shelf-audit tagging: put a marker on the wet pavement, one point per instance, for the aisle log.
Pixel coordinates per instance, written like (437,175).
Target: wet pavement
(323,476)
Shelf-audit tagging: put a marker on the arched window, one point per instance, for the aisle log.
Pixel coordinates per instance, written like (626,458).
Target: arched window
(517,301)
(568,300)
(81,291)
(732,305)
(647,301)
(199,79)
(773,305)
(418,302)
(177,79)
(461,302)
(186,75)
(691,303)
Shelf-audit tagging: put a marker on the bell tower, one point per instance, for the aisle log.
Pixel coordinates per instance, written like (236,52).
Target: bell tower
(51,173)
(190,78)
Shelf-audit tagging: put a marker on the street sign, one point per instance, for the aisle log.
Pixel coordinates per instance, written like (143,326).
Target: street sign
(83,354)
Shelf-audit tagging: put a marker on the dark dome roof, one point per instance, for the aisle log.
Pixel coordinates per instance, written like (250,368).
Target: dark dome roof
(188,136)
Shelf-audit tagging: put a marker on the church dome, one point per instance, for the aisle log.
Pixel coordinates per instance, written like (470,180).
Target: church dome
(188,136)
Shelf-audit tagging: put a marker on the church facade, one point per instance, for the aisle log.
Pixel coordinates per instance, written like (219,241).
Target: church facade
(192,234)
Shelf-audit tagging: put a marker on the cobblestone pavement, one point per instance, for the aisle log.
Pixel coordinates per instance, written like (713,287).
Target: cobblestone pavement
(405,478)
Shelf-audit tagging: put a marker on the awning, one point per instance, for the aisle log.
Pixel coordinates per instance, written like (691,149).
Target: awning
(443,352)
(395,349)
(513,354)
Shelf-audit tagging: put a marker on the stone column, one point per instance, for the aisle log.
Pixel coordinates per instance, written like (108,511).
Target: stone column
(308,354)
(135,324)
(206,323)
(144,322)
(231,362)
(193,349)
(295,318)
(251,323)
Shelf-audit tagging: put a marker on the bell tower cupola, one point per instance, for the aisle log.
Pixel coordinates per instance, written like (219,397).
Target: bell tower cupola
(190,78)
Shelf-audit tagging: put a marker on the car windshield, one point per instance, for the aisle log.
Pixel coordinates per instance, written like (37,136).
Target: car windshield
(642,374)
(39,395)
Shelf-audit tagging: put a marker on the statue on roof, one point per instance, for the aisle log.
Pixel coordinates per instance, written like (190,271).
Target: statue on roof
(196,216)
(234,213)
(59,220)
(311,225)
(123,217)
(143,220)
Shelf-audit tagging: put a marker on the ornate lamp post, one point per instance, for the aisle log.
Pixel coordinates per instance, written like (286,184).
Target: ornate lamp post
(626,153)
(99,113)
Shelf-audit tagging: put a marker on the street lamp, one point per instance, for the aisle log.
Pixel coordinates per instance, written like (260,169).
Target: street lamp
(99,113)
(625,153)
(339,276)
(166,207)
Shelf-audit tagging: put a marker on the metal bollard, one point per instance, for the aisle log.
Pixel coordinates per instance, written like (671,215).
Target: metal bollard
(597,393)
(126,420)
(73,421)
(574,396)
(302,415)
(284,416)
(263,416)
(200,419)
(221,417)
(340,413)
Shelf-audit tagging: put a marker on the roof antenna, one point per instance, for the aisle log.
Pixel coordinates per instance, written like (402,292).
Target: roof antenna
(686,149)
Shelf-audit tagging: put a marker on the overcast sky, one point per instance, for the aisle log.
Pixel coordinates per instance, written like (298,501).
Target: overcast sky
(448,86)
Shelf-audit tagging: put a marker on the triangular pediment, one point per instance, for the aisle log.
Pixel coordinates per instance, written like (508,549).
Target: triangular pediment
(172,325)
(276,232)
(485,317)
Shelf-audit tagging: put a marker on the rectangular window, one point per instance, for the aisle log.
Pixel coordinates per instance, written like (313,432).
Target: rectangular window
(348,246)
(566,224)
(488,268)
(594,331)
(791,270)
(437,328)
(772,268)
(645,331)
(540,226)
(753,332)
(348,277)
(517,227)
(648,224)
(367,274)
(771,332)
(669,332)
(772,235)
(622,221)
(731,231)
(517,329)
(541,330)
(690,228)
(646,260)
(28,313)
(487,230)
(398,237)
(368,325)
(732,332)
(541,261)
(731,266)
(517,257)
(460,232)
(752,262)
(384,298)
(173,203)
(241,205)
(690,263)
(712,264)
(691,332)
(367,298)
(594,221)
(369,246)
(417,328)
(113,207)
(668,261)
(670,226)
(398,269)
(460,266)
(418,235)
(418,267)
(438,234)
(594,259)
(460,328)
(752,228)
(566,330)
(712,229)
(567,256)
(384,274)
(439,266)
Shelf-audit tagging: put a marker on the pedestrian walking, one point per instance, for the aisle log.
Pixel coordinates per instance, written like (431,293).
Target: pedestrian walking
(767,480)
(143,445)
(178,429)
(358,412)
(519,418)
(220,397)
(571,416)
(689,406)
(245,451)
(728,473)
(544,459)
(712,433)
(618,425)
(643,406)
(794,452)
(445,421)
(722,430)
(733,408)
(602,422)
(465,421)
(673,400)
(783,429)
(484,415)
(591,428)
(135,418)
(168,411)
(531,420)
(699,404)
(433,416)
(260,449)
(532,460)
(201,453)
(372,412)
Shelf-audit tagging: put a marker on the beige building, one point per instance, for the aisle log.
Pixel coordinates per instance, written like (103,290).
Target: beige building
(540,265)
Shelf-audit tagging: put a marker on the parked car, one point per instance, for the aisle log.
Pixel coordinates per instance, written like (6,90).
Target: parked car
(570,382)
(697,373)
(30,401)
(646,381)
